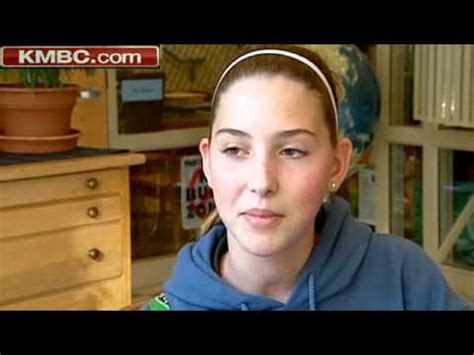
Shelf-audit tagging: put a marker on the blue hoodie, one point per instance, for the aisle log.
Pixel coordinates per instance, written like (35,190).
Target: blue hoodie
(351,268)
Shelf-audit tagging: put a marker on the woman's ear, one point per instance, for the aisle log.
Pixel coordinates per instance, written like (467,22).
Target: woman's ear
(204,149)
(342,162)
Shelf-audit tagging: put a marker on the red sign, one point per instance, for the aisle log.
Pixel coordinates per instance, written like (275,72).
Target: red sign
(103,57)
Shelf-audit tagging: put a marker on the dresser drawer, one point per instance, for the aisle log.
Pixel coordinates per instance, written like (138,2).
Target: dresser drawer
(46,262)
(54,216)
(20,192)
(104,295)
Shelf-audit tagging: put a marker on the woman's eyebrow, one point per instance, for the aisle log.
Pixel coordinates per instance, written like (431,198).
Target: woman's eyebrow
(234,132)
(294,132)
(279,135)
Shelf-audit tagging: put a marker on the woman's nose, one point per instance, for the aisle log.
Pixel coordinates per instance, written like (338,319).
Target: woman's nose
(263,179)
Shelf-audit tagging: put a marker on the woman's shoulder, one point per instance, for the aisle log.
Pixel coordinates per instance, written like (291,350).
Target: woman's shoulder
(400,253)
(395,244)
(423,283)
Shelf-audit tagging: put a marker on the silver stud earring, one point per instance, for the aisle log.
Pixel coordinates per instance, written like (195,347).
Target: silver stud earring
(333,186)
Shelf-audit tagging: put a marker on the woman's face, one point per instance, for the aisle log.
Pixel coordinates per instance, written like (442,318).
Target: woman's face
(270,161)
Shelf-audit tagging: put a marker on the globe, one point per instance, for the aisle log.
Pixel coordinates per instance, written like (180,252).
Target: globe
(359,104)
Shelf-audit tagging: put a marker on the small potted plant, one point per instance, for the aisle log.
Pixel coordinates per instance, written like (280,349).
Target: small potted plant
(36,109)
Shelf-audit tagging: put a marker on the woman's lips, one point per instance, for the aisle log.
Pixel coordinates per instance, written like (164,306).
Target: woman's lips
(262,218)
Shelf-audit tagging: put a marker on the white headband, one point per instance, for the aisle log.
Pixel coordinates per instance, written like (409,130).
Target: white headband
(284,53)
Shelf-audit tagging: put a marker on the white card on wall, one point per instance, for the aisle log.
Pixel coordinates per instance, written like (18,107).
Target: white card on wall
(141,90)
(367,196)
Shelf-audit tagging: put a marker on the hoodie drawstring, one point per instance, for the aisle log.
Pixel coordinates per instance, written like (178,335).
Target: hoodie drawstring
(311,293)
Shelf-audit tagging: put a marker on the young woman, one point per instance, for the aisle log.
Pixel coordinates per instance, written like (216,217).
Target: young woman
(278,240)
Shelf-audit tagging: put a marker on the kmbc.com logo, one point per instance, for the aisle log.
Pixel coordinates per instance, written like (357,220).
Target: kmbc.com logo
(91,56)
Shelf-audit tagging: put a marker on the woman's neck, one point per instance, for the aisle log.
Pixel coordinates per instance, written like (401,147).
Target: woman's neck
(271,276)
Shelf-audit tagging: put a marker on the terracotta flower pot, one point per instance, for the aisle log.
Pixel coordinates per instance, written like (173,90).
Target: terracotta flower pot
(38,112)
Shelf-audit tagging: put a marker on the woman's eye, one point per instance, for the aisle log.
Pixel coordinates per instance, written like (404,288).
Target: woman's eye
(293,153)
(233,151)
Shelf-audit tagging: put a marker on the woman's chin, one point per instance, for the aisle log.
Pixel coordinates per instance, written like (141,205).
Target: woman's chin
(260,243)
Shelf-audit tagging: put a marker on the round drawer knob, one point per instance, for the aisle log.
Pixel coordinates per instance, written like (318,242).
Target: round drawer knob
(92,183)
(94,254)
(93,212)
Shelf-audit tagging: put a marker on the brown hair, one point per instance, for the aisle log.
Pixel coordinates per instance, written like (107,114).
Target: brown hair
(273,64)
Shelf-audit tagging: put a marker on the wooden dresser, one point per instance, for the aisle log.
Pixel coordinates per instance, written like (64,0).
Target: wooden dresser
(65,233)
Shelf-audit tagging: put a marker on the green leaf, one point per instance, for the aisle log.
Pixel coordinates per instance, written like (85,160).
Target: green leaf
(39,77)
